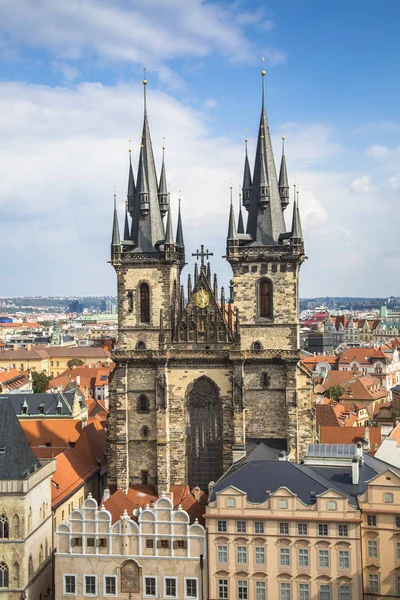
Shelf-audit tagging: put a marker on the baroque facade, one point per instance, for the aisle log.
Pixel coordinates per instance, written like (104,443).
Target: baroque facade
(198,378)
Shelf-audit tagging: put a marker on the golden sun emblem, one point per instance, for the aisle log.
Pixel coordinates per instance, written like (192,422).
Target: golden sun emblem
(201,298)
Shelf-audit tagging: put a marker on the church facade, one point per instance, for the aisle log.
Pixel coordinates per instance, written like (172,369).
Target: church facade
(201,376)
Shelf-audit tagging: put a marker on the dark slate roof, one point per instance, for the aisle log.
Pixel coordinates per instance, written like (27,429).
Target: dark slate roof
(17,460)
(41,404)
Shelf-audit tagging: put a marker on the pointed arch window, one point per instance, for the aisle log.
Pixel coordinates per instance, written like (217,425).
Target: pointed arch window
(144,303)
(4,528)
(3,575)
(265,299)
(143,404)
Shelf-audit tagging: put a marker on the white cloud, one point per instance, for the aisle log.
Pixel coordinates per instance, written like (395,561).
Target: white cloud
(363,184)
(210,103)
(149,32)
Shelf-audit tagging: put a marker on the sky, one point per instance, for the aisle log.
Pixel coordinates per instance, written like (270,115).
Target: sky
(71,98)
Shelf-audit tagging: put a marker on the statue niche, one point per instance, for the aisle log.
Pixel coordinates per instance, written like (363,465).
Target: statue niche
(130,577)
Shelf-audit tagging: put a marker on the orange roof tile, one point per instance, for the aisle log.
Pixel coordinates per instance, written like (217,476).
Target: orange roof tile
(92,444)
(350,435)
(72,471)
(396,433)
(360,355)
(56,433)
(314,360)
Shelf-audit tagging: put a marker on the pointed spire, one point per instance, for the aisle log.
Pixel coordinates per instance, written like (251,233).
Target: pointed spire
(189,287)
(232,233)
(265,223)
(162,188)
(116,240)
(169,235)
(179,229)
(131,185)
(283,179)
(297,232)
(196,274)
(208,273)
(215,286)
(246,180)
(126,227)
(240,227)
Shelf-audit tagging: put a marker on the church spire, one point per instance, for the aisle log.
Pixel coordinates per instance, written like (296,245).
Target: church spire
(240,227)
(126,226)
(283,179)
(115,240)
(246,180)
(232,233)
(265,223)
(131,186)
(147,225)
(162,188)
(297,231)
(179,230)
(169,234)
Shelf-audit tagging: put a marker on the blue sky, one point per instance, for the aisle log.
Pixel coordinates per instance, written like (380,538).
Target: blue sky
(71,97)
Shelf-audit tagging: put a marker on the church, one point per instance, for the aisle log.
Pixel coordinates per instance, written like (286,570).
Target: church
(203,374)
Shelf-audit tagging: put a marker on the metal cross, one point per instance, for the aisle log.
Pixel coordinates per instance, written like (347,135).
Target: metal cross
(202,255)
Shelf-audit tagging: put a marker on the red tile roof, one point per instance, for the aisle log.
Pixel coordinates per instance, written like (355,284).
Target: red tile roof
(57,433)
(350,435)
(72,471)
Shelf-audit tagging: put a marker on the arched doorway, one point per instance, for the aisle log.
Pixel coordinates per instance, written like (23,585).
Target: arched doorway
(204,443)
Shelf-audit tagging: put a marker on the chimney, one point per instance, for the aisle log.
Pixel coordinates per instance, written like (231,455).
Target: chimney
(210,488)
(78,379)
(367,439)
(355,471)
(359,451)
(196,493)
(106,494)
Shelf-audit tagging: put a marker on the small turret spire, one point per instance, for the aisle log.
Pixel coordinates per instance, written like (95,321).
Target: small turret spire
(126,227)
(162,188)
(131,185)
(169,235)
(264,185)
(283,179)
(297,231)
(144,91)
(240,228)
(246,179)
(115,240)
(179,230)
(232,232)
(143,190)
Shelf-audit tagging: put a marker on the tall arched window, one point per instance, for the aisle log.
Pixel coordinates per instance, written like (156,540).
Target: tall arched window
(265,299)
(4,529)
(144,303)
(3,575)
(143,404)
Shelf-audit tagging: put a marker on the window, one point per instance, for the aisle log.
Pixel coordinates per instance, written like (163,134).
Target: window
(324,591)
(304,591)
(130,301)
(398,585)
(302,528)
(265,299)
(344,559)
(144,303)
(181,544)
(149,543)
(164,543)
(260,555)
(102,542)
(257,346)
(140,346)
(397,521)
(284,557)
(222,553)
(150,587)
(344,592)
(90,541)
(223,589)
(284,528)
(343,530)
(265,380)
(242,589)
(371,520)
(323,530)
(283,504)
(285,591)
(303,557)
(143,404)
(323,559)
(241,554)
(145,476)
(191,588)
(388,497)
(261,590)
(70,584)
(332,505)
(110,585)
(89,585)
(3,575)
(241,526)
(397,550)
(373,583)
(221,526)
(4,530)
(372,549)
(170,587)
(258,527)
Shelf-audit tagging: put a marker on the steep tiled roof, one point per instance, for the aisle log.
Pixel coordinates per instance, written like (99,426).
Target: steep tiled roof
(72,470)
(361,355)
(92,443)
(338,378)
(325,415)
(49,437)
(350,435)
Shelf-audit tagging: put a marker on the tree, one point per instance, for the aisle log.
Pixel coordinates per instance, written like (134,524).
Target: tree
(75,362)
(335,391)
(39,382)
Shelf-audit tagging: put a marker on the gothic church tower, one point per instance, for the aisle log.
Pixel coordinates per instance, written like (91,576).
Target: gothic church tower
(198,379)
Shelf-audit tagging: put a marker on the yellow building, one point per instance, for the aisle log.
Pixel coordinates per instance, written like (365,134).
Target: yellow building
(25,515)
(155,553)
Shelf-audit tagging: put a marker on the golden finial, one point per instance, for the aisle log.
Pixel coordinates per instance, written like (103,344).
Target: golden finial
(144,76)
(163,146)
(129,146)
(263,72)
